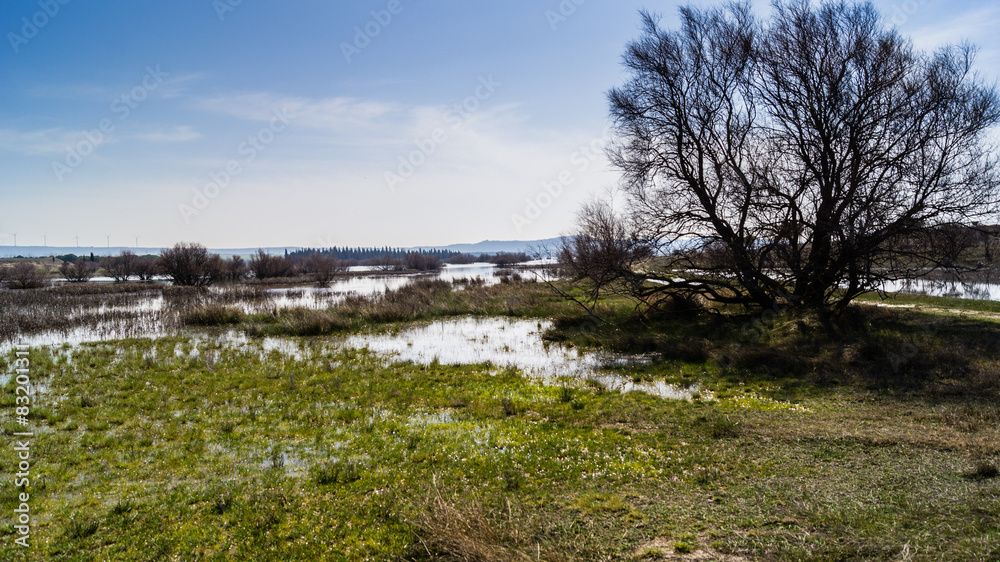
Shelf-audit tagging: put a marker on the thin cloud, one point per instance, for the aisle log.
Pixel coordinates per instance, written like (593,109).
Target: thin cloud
(40,142)
(176,134)
(331,113)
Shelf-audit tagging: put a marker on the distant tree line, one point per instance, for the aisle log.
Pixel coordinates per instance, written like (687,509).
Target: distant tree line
(362,254)
(193,265)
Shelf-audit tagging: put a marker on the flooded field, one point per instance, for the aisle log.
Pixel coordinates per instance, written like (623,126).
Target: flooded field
(81,314)
(509,343)
(501,342)
(75,314)
(942,288)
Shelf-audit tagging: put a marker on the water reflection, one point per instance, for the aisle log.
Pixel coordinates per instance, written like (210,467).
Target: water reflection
(374,284)
(946,288)
(48,318)
(506,342)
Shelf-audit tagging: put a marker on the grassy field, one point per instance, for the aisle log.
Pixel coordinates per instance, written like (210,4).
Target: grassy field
(872,437)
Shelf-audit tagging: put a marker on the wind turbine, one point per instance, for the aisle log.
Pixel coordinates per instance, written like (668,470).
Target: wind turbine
(136,242)
(77,237)
(45,240)
(108,236)
(15,239)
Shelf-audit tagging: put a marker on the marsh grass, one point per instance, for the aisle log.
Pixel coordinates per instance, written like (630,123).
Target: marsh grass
(799,449)
(463,529)
(212,315)
(238,455)
(116,310)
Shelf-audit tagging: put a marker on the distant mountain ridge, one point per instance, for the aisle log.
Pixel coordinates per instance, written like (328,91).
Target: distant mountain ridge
(495,246)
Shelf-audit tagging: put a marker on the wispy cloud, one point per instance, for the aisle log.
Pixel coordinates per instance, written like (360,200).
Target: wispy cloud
(332,113)
(181,85)
(33,143)
(972,25)
(175,134)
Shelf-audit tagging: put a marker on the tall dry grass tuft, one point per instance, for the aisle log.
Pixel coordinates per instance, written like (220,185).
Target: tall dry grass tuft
(465,530)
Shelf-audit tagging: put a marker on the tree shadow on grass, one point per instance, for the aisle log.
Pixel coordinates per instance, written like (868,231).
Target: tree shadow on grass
(875,348)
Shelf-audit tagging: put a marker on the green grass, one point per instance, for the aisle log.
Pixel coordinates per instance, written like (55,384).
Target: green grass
(178,459)
(421,300)
(871,436)
(925,301)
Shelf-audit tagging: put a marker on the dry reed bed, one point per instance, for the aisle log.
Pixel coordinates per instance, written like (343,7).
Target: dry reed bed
(117,310)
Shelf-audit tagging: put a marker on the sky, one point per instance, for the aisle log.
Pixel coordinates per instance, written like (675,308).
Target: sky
(245,123)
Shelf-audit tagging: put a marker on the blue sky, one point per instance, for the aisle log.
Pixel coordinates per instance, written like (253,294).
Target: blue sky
(263,123)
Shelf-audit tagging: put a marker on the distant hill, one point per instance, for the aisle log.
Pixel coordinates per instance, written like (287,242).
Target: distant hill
(495,246)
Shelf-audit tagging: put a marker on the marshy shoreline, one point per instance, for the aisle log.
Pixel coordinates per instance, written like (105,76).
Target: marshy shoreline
(215,424)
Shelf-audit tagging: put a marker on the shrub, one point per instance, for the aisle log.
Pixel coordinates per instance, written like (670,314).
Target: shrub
(120,267)
(23,275)
(321,268)
(79,271)
(422,262)
(145,268)
(191,265)
(266,266)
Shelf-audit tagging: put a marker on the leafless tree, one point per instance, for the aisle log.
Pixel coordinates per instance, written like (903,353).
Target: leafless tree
(266,266)
(422,262)
(145,268)
(191,264)
(23,275)
(79,271)
(120,267)
(796,160)
(236,269)
(322,268)
(606,253)
(504,259)
(385,263)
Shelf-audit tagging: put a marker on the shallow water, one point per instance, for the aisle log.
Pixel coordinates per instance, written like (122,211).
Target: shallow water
(934,288)
(147,315)
(374,284)
(505,342)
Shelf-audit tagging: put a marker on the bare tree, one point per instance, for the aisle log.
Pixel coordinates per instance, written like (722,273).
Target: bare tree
(606,253)
(145,268)
(23,275)
(120,267)
(798,160)
(422,262)
(191,264)
(79,271)
(236,269)
(504,259)
(385,263)
(322,268)
(266,266)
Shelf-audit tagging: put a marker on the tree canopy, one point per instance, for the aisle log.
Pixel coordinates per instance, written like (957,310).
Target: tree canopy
(803,158)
